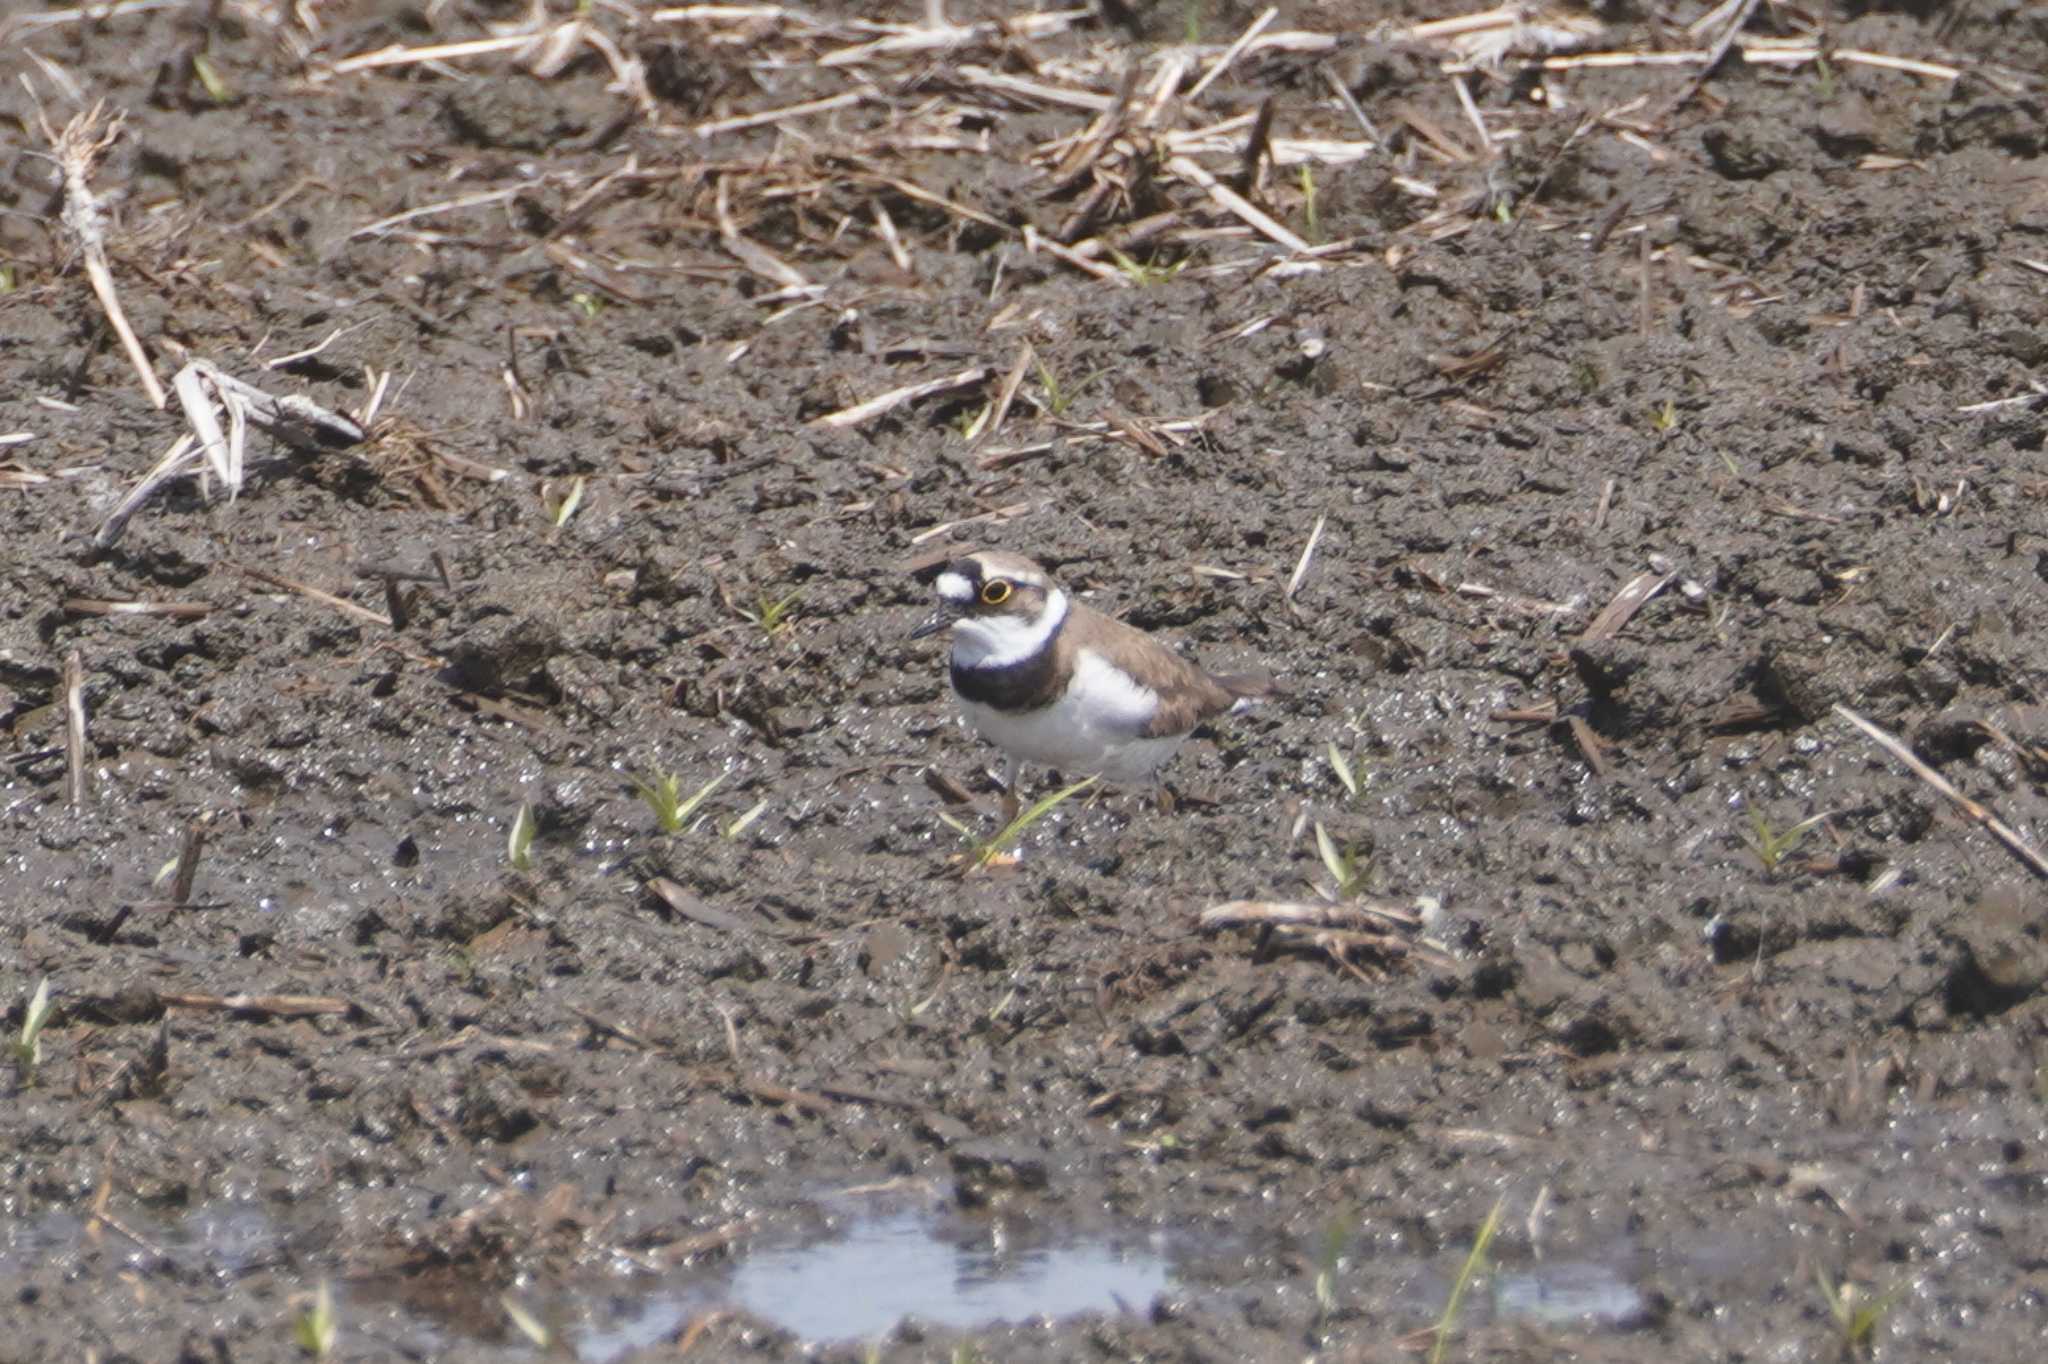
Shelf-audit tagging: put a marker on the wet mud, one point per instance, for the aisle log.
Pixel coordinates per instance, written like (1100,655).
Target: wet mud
(1639,450)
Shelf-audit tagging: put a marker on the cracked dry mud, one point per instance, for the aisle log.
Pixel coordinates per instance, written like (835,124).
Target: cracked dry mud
(1735,348)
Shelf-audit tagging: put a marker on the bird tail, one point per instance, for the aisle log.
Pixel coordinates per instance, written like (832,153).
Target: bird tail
(1248,689)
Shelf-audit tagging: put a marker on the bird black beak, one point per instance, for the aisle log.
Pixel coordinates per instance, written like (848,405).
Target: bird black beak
(937,620)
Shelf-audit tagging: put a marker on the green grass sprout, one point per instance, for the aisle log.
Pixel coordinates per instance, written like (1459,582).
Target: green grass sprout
(519,846)
(1335,1234)
(560,513)
(663,793)
(315,1328)
(1468,1274)
(28,1047)
(1309,217)
(1771,845)
(1144,273)
(1345,771)
(992,850)
(1350,874)
(217,88)
(771,615)
(1058,396)
(1857,1315)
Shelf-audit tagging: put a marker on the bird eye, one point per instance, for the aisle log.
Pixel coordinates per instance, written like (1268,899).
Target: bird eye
(995,593)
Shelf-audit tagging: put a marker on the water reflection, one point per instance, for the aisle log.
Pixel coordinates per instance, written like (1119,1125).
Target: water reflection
(878,1270)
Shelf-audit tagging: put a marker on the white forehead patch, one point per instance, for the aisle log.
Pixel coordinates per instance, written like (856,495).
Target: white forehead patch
(954,587)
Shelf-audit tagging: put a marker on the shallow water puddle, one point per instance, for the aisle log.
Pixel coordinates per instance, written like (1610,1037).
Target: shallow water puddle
(1566,1293)
(881,1269)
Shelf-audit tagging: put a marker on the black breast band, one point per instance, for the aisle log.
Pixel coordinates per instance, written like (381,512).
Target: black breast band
(1023,685)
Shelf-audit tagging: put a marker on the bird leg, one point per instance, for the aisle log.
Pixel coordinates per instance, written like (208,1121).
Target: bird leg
(1009,805)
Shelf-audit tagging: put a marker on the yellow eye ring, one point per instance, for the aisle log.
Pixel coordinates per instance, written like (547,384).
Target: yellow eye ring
(995,593)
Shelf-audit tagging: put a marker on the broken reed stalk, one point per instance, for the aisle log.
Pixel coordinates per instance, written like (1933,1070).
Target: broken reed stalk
(188,862)
(1998,828)
(74,727)
(1715,57)
(84,140)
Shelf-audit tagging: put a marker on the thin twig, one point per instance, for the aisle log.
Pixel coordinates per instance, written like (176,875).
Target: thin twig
(896,397)
(1308,554)
(1714,57)
(1232,53)
(188,861)
(1997,827)
(74,726)
(84,140)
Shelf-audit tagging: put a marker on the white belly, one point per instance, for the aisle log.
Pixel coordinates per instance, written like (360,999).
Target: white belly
(1092,730)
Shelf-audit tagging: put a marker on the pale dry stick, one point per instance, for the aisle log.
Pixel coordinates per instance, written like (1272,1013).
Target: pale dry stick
(280,1006)
(1516,601)
(1009,513)
(341,604)
(759,260)
(885,228)
(946,37)
(1712,19)
(756,258)
(1502,16)
(787,112)
(190,384)
(1996,403)
(177,610)
(1080,260)
(1232,53)
(630,72)
(1589,744)
(1646,308)
(309,352)
(1603,60)
(383,225)
(923,195)
(1129,235)
(1104,129)
(169,467)
(1308,554)
(296,420)
(1235,203)
(188,861)
(74,727)
(1634,595)
(1165,82)
(896,397)
(1350,102)
(67,84)
(1007,394)
(1714,59)
(396,55)
(1933,70)
(1222,134)
(983,78)
(1310,914)
(95,13)
(1998,828)
(84,140)
(1472,116)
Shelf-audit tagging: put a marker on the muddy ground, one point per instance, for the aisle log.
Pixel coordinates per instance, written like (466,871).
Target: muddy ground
(1737,339)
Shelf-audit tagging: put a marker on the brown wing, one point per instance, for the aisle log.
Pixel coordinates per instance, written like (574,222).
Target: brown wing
(1187,695)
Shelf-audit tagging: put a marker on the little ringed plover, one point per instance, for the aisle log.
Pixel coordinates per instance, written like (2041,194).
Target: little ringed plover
(1049,681)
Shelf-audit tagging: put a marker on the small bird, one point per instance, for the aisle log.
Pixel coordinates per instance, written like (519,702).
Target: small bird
(1048,680)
